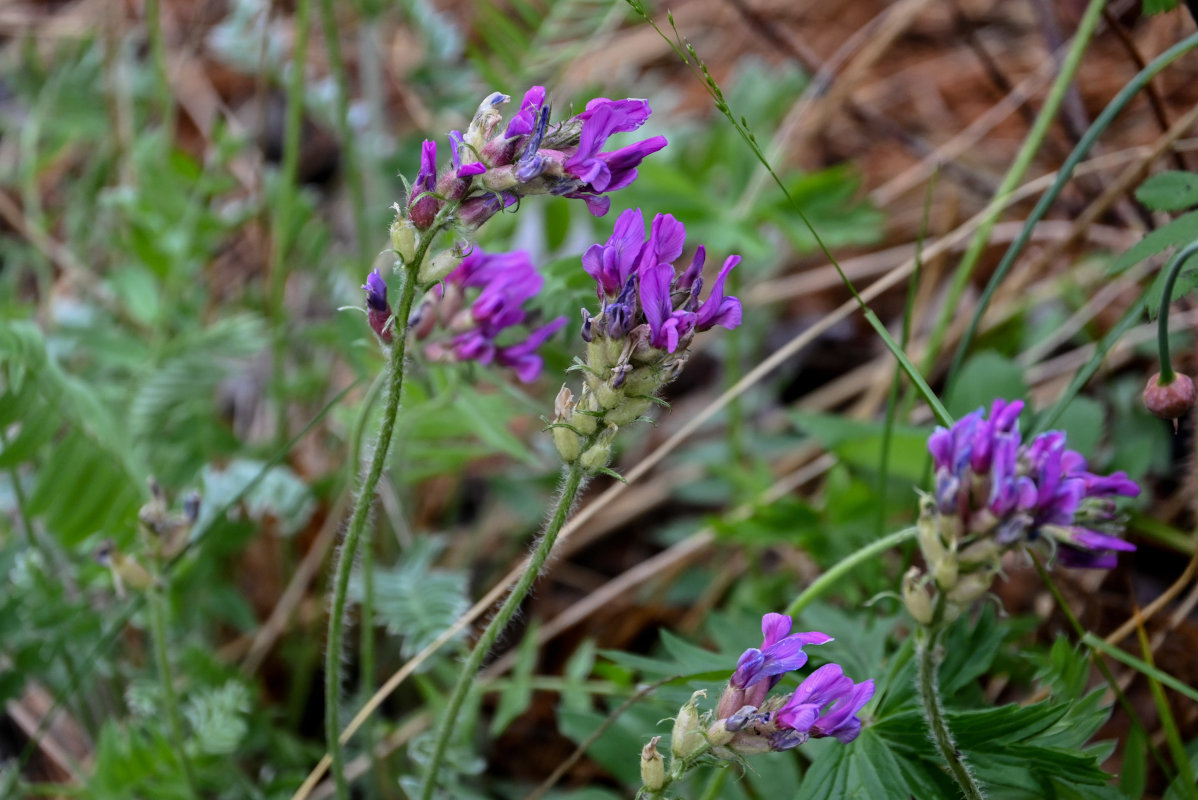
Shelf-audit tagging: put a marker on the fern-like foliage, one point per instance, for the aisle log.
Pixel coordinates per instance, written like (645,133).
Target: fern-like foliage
(413,600)
(54,428)
(525,41)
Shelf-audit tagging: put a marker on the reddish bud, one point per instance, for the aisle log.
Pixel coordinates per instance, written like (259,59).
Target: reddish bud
(1170,400)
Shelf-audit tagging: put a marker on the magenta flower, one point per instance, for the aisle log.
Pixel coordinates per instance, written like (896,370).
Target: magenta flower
(995,484)
(758,670)
(483,330)
(748,720)
(422,205)
(530,156)
(638,285)
(825,704)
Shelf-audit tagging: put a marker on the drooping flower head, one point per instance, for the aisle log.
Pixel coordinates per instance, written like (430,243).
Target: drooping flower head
(826,703)
(530,156)
(649,314)
(993,485)
(480,326)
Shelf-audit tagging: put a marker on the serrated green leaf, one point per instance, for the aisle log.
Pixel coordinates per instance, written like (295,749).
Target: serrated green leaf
(1182,230)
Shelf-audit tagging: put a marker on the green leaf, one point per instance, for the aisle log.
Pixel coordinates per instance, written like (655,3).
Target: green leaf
(1169,191)
(1134,776)
(516,690)
(983,378)
(415,601)
(1182,230)
(859,443)
(1159,6)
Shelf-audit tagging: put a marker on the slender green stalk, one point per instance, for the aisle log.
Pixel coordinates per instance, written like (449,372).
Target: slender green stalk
(1104,119)
(847,565)
(161,76)
(892,400)
(361,511)
(352,171)
(1181,759)
(281,224)
(1162,317)
(157,608)
(929,646)
(571,486)
(1023,159)
(1083,635)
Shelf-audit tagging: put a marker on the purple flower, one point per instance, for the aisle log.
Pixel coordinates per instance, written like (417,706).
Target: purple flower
(483,330)
(423,206)
(825,704)
(493,166)
(636,280)
(378,309)
(758,670)
(996,484)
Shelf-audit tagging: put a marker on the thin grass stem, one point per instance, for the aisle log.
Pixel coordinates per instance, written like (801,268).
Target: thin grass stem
(157,608)
(1023,159)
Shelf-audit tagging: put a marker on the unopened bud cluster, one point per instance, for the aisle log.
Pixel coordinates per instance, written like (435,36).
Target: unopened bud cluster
(640,339)
(994,494)
(164,535)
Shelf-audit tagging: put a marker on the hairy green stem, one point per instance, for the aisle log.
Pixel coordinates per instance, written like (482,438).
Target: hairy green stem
(570,488)
(357,521)
(1162,317)
(157,609)
(847,565)
(929,693)
(1023,159)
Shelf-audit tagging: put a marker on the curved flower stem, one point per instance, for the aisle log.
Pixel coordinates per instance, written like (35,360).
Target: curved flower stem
(929,693)
(847,565)
(156,597)
(357,521)
(1162,317)
(571,486)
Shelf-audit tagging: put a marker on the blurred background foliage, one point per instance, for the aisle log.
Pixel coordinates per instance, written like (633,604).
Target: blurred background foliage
(190,196)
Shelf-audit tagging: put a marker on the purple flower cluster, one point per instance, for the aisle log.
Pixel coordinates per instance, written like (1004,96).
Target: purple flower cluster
(997,485)
(491,169)
(825,704)
(506,281)
(638,285)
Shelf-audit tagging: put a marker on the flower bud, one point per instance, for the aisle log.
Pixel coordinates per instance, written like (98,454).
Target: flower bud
(1169,400)
(970,588)
(946,569)
(599,454)
(440,265)
(916,597)
(687,737)
(403,238)
(629,411)
(718,734)
(653,766)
